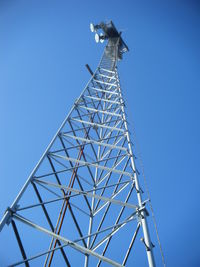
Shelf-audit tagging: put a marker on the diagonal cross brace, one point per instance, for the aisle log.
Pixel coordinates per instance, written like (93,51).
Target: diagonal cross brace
(96,165)
(66,241)
(86,193)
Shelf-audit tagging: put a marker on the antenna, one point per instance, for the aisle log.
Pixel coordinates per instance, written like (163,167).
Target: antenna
(108,31)
(93,27)
(99,37)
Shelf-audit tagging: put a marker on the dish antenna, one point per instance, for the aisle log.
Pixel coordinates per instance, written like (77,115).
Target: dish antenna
(103,31)
(94,28)
(99,37)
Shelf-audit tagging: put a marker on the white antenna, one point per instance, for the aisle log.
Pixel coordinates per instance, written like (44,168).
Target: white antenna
(97,38)
(92,27)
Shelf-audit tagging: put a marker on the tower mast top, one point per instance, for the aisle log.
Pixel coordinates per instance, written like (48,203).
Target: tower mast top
(107,31)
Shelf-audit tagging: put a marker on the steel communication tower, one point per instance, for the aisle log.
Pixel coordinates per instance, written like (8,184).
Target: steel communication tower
(82,204)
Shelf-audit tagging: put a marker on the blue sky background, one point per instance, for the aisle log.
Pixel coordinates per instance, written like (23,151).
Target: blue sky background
(44,46)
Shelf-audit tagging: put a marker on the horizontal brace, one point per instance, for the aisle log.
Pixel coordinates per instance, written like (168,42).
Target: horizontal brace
(67,241)
(79,129)
(110,71)
(98,125)
(89,114)
(70,169)
(109,77)
(111,84)
(111,109)
(96,142)
(53,155)
(113,137)
(101,111)
(103,99)
(88,194)
(108,121)
(85,163)
(71,196)
(101,90)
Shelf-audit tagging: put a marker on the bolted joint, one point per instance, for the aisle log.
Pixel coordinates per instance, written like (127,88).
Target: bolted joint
(95,126)
(78,101)
(142,213)
(11,211)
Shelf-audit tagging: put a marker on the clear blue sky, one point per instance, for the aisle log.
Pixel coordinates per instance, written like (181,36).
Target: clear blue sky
(43,48)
